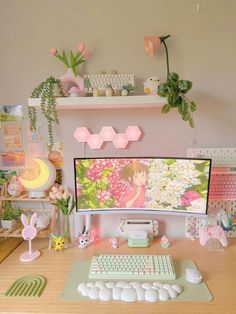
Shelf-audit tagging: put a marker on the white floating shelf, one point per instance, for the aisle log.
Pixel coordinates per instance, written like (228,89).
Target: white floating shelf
(115,102)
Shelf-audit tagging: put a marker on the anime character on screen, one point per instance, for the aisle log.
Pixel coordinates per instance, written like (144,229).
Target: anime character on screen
(136,174)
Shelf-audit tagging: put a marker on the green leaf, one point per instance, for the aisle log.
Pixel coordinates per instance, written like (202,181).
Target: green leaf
(180,108)
(193,106)
(72,59)
(186,116)
(65,59)
(165,108)
(162,90)
(191,123)
(173,77)
(189,86)
(183,85)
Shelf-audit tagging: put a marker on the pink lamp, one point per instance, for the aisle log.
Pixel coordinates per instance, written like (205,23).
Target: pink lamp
(120,140)
(95,141)
(107,133)
(82,134)
(133,133)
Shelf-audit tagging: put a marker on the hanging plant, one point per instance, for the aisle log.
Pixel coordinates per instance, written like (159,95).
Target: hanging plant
(46,91)
(173,89)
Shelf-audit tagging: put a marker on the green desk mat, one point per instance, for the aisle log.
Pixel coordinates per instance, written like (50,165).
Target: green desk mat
(191,292)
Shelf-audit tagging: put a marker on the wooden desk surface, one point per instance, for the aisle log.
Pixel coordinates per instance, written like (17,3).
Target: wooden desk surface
(218,268)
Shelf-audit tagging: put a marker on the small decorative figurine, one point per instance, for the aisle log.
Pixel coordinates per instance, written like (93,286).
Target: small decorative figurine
(95,92)
(14,188)
(124,91)
(74,91)
(151,86)
(84,239)
(109,91)
(165,243)
(57,242)
(29,232)
(114,242)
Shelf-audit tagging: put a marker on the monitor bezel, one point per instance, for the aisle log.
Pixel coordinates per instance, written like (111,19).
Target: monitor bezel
(141,211)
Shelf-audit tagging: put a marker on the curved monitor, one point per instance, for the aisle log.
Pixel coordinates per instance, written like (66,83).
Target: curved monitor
(137,185)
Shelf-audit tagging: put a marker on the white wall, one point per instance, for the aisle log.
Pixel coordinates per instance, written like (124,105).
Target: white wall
(201,48)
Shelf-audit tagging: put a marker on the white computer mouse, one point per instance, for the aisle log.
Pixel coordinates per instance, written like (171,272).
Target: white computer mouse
(193,275)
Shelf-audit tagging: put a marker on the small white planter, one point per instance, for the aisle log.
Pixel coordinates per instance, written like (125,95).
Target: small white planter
(8,224)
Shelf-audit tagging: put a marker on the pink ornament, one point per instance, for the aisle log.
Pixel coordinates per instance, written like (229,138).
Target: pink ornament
(133,133)
(69,80)
(82,134)
(107,133)
(120,140)
(29,232)
(95,141)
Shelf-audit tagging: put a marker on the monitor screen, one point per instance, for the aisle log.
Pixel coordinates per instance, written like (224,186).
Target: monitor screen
(169,185)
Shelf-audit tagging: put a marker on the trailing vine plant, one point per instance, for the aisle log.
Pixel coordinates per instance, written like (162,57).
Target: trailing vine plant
(174,89)
(45,91)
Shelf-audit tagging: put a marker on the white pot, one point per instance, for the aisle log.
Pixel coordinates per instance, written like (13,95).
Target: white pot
(8,224)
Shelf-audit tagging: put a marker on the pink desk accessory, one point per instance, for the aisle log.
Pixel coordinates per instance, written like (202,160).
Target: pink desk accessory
(29,232)
(213,232)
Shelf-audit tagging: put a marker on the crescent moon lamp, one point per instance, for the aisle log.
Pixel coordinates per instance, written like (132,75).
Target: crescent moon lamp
(38,186)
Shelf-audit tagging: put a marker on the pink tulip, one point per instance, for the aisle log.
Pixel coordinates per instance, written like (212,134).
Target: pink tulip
(55,189)
(85,54)
(53,51)
(66,195)
(151,43)
(81,47)
(52,195)
(59,195)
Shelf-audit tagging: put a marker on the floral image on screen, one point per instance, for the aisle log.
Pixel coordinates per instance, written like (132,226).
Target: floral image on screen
(142,183)
(178,184)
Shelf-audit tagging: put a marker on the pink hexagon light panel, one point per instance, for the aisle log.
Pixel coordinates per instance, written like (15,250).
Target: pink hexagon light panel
(108,134)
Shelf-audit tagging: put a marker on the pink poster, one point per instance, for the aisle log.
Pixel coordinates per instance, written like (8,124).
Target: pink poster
(12,135)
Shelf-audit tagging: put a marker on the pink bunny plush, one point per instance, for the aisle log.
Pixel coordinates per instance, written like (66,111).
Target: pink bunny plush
(29,232)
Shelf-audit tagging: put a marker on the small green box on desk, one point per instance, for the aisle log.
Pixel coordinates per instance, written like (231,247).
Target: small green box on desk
(138,242)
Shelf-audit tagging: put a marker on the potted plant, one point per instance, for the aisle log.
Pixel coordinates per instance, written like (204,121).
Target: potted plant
(47,92)
(174,89)
(10,215)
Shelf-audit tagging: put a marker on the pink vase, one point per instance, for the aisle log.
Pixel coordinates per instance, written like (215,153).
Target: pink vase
(69,80)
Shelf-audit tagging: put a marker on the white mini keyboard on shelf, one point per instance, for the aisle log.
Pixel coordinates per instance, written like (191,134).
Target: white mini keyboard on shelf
(101,81)
(132,267)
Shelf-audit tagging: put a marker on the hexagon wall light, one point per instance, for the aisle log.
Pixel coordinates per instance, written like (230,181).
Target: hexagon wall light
(133,133)
(107,133)
(95,141)
(120,140)
(82,134)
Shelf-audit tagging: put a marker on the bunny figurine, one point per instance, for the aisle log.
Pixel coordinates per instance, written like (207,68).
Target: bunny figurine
(29,232)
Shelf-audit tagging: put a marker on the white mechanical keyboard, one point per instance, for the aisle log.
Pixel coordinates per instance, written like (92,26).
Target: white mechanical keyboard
(101,81)
(132,267)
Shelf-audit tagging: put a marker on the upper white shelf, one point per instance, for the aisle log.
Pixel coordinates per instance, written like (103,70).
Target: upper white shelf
(124,102)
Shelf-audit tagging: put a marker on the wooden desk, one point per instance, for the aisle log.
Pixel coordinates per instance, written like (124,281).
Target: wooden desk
(218,268)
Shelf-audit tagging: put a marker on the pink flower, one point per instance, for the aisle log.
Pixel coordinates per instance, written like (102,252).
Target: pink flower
(53,51)
(103,195)
(151,43)
(52,195)
(59,195)
(188,197)
(81,47)
(85,53)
